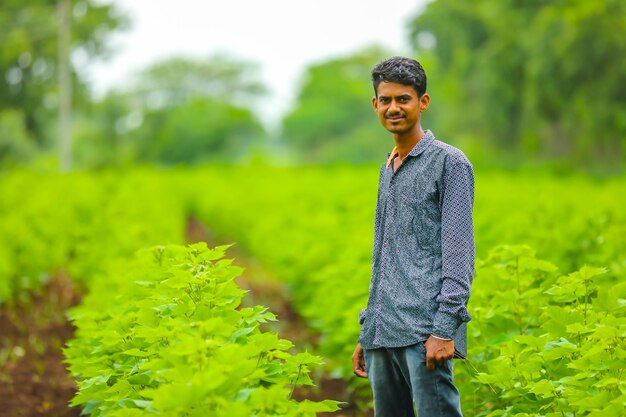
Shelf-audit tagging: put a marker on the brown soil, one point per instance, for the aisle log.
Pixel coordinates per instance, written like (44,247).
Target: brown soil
(264,289)
(33,379)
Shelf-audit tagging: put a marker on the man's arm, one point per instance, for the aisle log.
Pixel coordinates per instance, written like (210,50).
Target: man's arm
(457,246)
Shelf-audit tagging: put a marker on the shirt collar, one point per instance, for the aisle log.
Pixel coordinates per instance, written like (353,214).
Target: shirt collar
(417,149)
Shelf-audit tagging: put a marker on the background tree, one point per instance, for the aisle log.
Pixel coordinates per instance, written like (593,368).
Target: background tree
(16,145)
(179,110)
(177,80)
(333,119)
(532,77)
(101,131)
(28,56)
(205,130)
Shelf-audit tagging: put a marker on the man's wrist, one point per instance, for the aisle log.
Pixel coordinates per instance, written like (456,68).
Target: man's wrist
(445,325)
(441,338)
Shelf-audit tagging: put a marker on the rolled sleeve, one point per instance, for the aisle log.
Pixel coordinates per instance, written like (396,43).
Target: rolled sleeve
(457,247)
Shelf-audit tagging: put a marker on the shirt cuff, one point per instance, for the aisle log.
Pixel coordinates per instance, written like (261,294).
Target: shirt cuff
(445,325)
(440,338)
(362,316)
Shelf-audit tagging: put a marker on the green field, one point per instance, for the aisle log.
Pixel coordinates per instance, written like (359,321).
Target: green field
(193,237)
(548,300)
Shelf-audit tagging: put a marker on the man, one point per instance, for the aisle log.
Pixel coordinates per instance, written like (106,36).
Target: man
(423,257)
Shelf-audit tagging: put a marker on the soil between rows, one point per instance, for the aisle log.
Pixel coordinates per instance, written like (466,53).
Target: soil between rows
(34,381)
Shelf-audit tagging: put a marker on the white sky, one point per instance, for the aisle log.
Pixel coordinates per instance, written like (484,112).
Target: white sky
(284,36)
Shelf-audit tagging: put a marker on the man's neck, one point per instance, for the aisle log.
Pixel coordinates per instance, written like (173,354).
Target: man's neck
(405,143)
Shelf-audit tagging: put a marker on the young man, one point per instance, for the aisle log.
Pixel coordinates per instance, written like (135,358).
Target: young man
(423,257)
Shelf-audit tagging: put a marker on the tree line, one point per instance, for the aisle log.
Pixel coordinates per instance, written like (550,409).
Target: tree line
(510,81)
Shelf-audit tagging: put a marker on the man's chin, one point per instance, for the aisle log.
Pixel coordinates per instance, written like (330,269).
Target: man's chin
(398,130)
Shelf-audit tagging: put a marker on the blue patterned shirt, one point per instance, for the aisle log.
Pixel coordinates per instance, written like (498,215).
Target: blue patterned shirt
(423,257)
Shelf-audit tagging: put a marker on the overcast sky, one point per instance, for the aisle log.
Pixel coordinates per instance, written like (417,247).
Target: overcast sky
(284,36)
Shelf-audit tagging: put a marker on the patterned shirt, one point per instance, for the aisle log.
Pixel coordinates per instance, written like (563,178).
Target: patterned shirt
(423,257)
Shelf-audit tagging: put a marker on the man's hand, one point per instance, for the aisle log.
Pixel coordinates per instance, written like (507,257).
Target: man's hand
(438,351)
(358,362)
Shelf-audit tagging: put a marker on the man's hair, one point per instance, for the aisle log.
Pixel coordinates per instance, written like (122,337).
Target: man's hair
(400,70)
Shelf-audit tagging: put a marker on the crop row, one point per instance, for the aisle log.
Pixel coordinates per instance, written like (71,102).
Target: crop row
(165,334)
(313,228)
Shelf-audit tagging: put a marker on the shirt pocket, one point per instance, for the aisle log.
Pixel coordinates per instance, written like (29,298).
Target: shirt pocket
(428,226)
(423,218)
(405,215)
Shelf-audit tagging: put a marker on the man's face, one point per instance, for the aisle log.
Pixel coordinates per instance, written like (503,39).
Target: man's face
(398,107)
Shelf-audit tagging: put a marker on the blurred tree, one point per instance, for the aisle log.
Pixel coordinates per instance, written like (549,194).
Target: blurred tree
(16,147)
(100,130)
(177,80)
(206,130)
(333,119)
(541,77)
(28,54)
(179,110)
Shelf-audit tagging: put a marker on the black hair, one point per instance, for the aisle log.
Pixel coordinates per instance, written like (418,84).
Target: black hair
(400,70)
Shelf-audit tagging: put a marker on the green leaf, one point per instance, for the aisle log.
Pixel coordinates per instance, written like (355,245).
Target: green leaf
(326,406)
(136,352)
(542,388)
(595,402)
(558,349)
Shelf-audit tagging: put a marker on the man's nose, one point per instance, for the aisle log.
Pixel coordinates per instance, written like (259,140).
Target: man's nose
(393,106)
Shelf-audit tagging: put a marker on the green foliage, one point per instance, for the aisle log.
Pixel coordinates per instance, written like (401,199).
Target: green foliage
(313,228)
(28,57)
(318,234)
(568,356)
(79,222)
(533,78)
(165,334)
(179,110)
(205,130)
(178,80)
(16,145)
(333,119)
(101,133)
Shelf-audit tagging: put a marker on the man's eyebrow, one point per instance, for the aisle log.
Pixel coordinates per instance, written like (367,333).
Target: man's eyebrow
(398,96)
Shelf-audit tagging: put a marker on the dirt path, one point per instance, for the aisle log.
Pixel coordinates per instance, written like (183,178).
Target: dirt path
(266,290)
(33,378)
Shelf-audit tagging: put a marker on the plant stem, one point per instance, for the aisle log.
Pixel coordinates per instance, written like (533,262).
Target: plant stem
(585,301)
(295,382)
(518,315)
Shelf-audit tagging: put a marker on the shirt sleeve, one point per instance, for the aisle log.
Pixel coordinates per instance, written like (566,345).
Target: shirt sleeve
(457,246)
(377,225)
(362,316)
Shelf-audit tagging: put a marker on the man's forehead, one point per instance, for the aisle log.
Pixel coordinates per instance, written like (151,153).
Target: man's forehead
(388,88)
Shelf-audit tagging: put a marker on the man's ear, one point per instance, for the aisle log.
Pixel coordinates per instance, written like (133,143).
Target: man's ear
(375,103)
(424,102)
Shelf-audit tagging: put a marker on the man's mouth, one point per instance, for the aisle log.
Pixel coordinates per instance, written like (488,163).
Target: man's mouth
(395,117)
